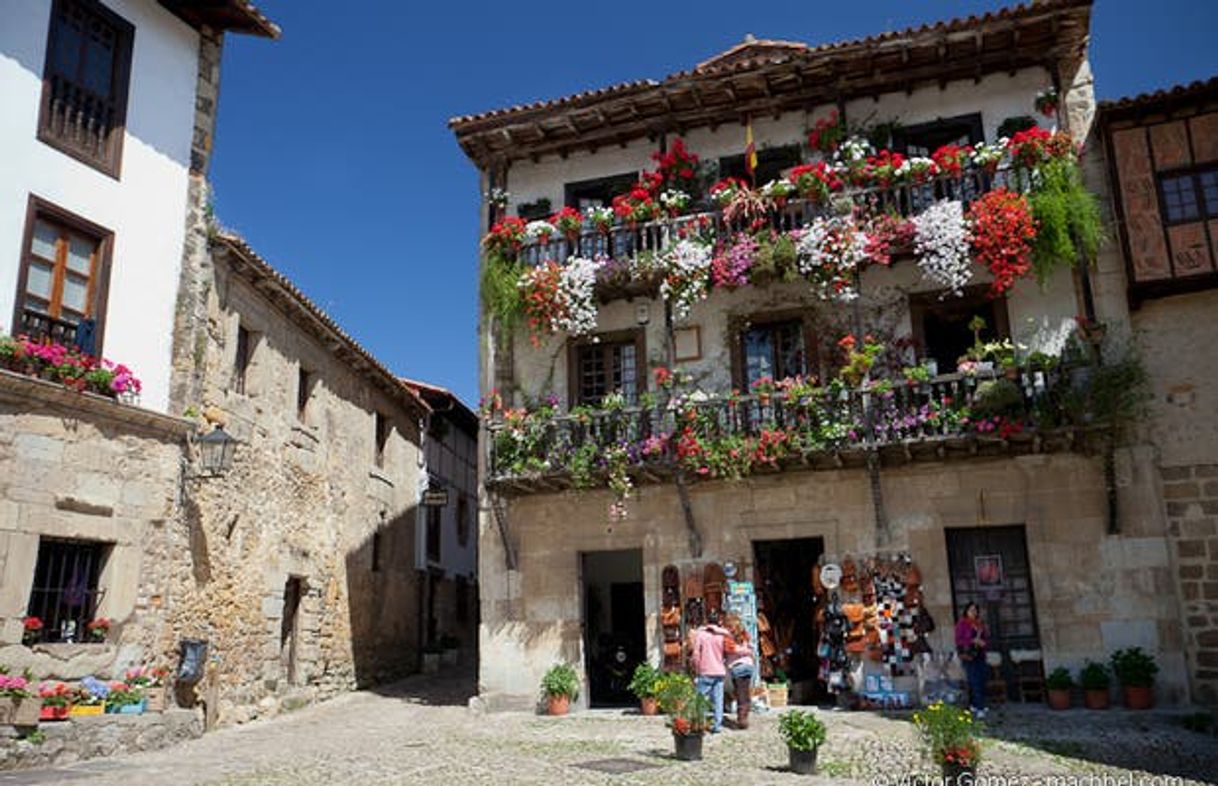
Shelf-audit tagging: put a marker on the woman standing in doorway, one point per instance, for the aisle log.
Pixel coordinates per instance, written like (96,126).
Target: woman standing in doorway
(740,666)
(971,641)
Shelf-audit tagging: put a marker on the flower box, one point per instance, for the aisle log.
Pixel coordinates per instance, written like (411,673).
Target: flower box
(20,712)
(86,710)
(50,713)
(133,709)
(154,699)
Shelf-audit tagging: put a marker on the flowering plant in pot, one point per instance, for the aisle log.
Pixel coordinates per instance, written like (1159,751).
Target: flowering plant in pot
(827,133)
(1058,684)
(815,181)
(151,680)
(688,720)
(1095,680)
(601,218)
(32,632)
(645,684)
(98,629)
(16,706)
(1002,231)
(559,686)
(125,699)
(804,734)
(1136,671)
(948,736)
(56,700)
(1046,102)
(569,222)
(90,697)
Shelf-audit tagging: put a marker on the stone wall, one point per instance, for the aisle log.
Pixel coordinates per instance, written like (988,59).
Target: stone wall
(1094,591)
(105,735)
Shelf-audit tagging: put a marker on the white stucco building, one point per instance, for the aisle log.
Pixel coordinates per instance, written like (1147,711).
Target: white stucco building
(100,134)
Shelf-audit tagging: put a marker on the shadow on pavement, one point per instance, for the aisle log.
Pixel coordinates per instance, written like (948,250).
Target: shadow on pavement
(446,689)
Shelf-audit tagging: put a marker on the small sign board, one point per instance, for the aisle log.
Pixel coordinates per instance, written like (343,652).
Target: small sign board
(435,498)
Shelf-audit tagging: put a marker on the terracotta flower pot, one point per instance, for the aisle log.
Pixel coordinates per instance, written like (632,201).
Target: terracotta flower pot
(1096,699)
(649,706)
(1138,697)
(1059,699)
(558,705)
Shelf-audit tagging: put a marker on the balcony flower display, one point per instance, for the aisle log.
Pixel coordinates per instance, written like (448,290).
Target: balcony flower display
(815,181)
(674,201)
(568,222)
(637,206)
(733,260)
(831,251)
(539,231)
(827,133)
(778,192)
(685,280)
(887,235)
(600,218)
(724,191)
(1002,232)
(1036,146)
(68,366)
(677,167)
(988,156)
(952,159)
(505,238)
(942,245)
(917,170)
(882,168)
(559,298)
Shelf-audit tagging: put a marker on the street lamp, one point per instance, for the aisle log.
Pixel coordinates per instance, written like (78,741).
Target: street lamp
(216,450)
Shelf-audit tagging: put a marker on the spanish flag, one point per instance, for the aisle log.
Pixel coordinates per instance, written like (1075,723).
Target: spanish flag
(750,150)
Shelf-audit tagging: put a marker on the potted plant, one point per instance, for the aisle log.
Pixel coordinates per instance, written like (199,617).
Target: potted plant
(151,681)
(98,629)
(559,686)
(18,705)
(450,647)
(1095,680)
(777,689)
(672,689)
(432,652)
(688,720)
(33,631)
(804,734)
(90,698)
(125,699)
(1058,685)
(947,734)
(1136,671)
(56,701)
(645,684)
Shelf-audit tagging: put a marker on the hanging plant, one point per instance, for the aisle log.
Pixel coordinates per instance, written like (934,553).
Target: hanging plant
(500,289)
(505,238)
(831,250)
(888,234)
(1002,232)
(539,231)
(942,245)
(560,298)
(724,191)
(568,221)
(1069,225)
(733,260)
(678,168)
(827,133)
(1046,102)
(686,268)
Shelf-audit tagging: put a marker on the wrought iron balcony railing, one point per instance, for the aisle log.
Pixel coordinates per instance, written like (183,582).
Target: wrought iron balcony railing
(81,335)
(828,427)
(626,240)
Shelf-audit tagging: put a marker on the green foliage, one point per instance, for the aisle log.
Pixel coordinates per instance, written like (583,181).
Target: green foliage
(1118,392)
(561,680)
(1069,226)
(997,397)
(1094,676)
(582,464)
(645,683)
(1059,679)
(947,734)
(801,731)
(1134,668)
(687,709)
(501,290)
(673,688)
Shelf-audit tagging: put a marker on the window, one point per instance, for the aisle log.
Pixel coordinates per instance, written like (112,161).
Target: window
(462,520)
(941,327)
(599,192)
(775,349)
(381,427)
(241,360)
(65,270)
(65,595)
(304,388)
(376,551)
(771,161)
(84,83)
(614,364)
(925,138)
(1189,195)
(435,521)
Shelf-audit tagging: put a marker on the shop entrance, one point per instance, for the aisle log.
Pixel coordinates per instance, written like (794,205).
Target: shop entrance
(783,577)
(614,637)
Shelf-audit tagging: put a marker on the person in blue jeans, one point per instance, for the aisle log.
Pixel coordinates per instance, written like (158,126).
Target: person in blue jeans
(709,668)
(971,640)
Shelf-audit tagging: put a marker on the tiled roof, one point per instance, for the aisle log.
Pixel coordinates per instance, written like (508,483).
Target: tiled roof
(726,61)
(1175,92)
(442,400)
(307,314)
(237,15)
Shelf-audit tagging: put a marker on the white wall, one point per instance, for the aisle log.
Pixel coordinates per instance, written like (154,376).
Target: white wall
(145,208)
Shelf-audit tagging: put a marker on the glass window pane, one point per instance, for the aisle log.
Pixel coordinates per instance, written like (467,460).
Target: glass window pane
(1209,190)
(626,373)
(38,280)
(43,242)
(99,61)
(67,46)
(790,341)
(80,254)
(75,293)
(1179,198)
(758,355)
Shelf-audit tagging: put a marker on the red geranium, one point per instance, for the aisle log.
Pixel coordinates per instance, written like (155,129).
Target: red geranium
(569,221)
(33,624)
(888,234)
(506,236)
(882,168)
(541,303)
(677,167)
(1002,233)
(815,181)
(951,159)
(827,133)
(1035,146)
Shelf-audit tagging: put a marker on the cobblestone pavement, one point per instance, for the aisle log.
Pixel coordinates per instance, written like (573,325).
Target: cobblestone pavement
(419,732)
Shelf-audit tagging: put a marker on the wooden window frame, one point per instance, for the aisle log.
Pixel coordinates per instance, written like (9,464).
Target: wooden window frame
(1194,174)
(637,336)
(99,283)
(111,163)
(767,319)
(619,184)
(970,122)
(922,302)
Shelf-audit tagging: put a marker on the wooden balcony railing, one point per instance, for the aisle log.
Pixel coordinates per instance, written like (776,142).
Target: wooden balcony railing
(828,427)
(623,240)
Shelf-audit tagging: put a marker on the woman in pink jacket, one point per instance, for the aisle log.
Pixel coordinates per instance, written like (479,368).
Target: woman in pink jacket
(971,641)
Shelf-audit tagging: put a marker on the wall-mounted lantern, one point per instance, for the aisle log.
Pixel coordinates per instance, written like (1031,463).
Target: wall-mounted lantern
(216,449)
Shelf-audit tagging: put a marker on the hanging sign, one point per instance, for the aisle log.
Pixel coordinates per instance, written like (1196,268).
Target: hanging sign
(435,498)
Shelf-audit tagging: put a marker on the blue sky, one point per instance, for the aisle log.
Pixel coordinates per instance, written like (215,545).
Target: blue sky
(335,161)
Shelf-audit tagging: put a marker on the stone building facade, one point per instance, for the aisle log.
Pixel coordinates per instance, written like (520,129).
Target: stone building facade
(1099,567)
(1160,156)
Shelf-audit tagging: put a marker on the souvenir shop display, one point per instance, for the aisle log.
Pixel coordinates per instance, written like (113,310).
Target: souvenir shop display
(670,619)
(742,601)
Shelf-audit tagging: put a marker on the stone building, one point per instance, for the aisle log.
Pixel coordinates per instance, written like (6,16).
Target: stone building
(1083,563)
(1160,153)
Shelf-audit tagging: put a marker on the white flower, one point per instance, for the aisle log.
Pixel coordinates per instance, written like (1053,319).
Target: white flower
(854,149)
(674,199)
(987,154)
(942,245)
(599,215)
(915,165)
(686,269)
(576,291)
(778,189)
(539,229)
(829,253)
